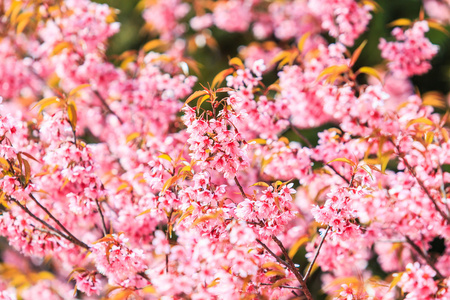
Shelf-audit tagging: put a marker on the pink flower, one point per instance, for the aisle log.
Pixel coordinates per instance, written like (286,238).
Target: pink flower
(411,53)
(87,283)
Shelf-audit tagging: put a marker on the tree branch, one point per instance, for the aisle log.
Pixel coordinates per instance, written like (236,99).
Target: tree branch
(105,232)
(240,187)
(339,174)
(301,136)
(105,104)
(423,255)
(70,236)
(422,185)
(308,272)
(284,286)
(292,267)
(25,209)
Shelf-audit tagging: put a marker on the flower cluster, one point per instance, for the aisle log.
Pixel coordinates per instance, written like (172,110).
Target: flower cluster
(411,53)
(117,261)
(215,143)
(271,210)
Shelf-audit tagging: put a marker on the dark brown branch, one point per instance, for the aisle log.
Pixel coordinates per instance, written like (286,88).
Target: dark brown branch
(339,174)
(444,193)
(25,209)
(293,269)
(422,185)
(105,104)
(70,236)
(279,259)
(240,187)
(308,272)
(48,231)
(105,231)
(285,286)
(169,217)
(423,255)
(301,136)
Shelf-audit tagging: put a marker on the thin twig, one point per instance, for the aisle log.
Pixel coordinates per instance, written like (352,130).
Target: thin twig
(71,237)
(308,272)
(423,255)
(339,174)
(292,268)
(301,136)
(240,187)
(74,135)
(284,286)
(105,232)
(279,259)
(422,185)
(25,209)
(169,217)
(48,231)
(444,193)
(105,104)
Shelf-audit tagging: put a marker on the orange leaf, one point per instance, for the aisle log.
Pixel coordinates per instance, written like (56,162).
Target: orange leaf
(300,242)
(343,159)
(275,273)
(301,42)
(153,44)
(21,26)
(46,102)
(78,88)
(26,164)
(420,121)
(396,280)
(219,78)
(281,282)
(260,183)
(72,114)
(60,46)
(195,95)
(400,22)
(434,99)
(132,136)
(333,70)
(236,61)
(357,53)
(437,26)
(165,156)
(369,71)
